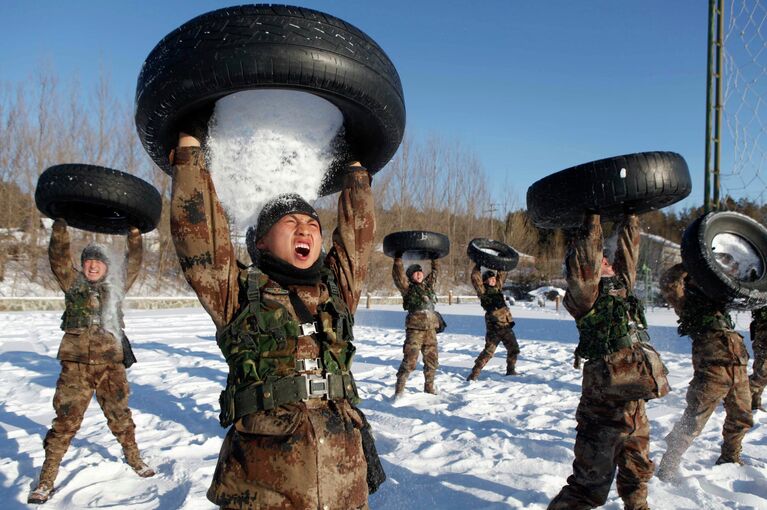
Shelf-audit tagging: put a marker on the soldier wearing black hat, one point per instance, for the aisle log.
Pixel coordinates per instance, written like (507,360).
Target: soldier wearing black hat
(498,321)
(284,326)
(94,352)
(421,324)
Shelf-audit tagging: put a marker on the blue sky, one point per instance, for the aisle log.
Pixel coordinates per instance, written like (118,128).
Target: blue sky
(533,87)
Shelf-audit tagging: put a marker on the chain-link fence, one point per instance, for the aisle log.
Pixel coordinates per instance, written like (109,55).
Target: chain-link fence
(744,142)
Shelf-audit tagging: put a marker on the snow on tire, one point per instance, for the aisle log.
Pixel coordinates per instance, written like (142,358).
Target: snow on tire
(272,46)
(492,254)
(632,183)
(418,244)
(726,255)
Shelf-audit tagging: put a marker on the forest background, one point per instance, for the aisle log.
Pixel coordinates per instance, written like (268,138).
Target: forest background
(433,183)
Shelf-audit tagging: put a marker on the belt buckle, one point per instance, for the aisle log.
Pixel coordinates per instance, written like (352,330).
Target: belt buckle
(308,364)
(308,328)
(316,387)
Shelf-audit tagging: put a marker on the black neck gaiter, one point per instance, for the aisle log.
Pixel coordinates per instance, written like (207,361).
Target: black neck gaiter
(287,274)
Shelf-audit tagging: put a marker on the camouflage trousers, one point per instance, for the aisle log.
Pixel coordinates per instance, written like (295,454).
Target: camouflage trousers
(74,389)
(610,435)
(419,341)
(496,335)
(297,456)
(710,385)
(758,379)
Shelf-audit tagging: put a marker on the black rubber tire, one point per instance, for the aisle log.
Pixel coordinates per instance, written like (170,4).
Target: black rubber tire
(98,199)
(698,259)
(506,260)
(272,46)
(418,244)
(651,180)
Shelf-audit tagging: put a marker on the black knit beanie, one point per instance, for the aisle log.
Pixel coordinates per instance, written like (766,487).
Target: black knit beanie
(487,275)
(414,268)
(94,252)
(272,212)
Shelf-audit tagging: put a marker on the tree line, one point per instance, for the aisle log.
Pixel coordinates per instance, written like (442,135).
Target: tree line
(432,183)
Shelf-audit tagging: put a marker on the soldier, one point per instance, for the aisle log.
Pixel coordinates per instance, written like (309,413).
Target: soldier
(498,321)
(284,326)
(719,360)
(421,324)
(610,433)
(758,379)
(93,352)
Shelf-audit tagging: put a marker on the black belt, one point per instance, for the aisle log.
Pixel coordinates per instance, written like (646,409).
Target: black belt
(275,392)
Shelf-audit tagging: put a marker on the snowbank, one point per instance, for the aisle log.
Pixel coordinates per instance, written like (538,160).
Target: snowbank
(497,443)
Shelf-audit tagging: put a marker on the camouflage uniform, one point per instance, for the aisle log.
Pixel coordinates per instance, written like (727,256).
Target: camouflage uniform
(610,434)
(758,379)
(719,360)
(308,453)
(91,357)
(498,322)
(421,325)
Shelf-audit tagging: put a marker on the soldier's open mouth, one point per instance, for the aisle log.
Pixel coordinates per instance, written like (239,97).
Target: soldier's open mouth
(302,250)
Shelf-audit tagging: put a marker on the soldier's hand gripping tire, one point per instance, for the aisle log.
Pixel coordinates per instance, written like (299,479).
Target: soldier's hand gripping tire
(726,254)
(492,254)
(611,187)
(98,199)
(418,244)
(271,46)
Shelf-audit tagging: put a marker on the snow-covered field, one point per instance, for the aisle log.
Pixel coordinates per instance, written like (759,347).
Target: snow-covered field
(496,443)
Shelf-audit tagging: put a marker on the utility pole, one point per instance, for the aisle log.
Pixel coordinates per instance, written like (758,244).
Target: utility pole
(714,105)
(491,210)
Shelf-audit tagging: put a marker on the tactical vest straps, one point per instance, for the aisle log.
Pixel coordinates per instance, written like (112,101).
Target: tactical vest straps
(701,314)
(258,379)
(330,282)
(492,300)
(606,327)
(254,286)
(419,297)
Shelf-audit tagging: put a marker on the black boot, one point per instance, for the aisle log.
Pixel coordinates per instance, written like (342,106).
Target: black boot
(511,364)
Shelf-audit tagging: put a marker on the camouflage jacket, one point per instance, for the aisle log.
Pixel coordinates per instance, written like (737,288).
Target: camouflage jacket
(201,235)
(588,301)
(417,298)
(708,324)
(491,298)
(85,339)
(200,232)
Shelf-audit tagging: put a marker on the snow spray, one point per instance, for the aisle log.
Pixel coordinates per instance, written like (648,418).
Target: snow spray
(263,143)
(115,284)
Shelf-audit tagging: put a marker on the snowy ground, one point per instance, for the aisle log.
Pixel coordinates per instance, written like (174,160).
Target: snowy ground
(496,443)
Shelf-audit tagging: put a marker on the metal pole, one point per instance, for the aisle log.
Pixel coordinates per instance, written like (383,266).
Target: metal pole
(718,112)
(709,70)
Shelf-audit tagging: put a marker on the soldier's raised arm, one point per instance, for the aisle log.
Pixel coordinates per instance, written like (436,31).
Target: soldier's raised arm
(134,257)
(583,267)
(627,250)
(353,237)
(672,287)
(200,233)
(398,275)
(431,280)
(476,280)
(60,256)
(500,279)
